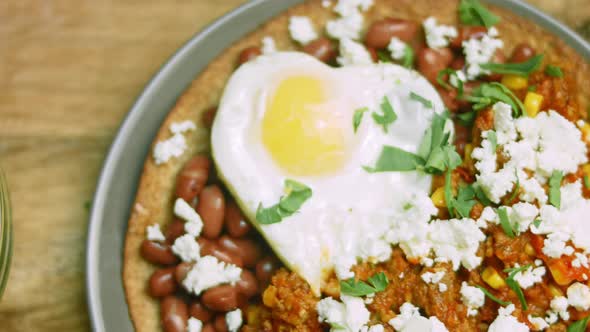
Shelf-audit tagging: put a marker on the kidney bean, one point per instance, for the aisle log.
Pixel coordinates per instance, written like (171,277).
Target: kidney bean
(174,231)
(247,249)
(266,267)
(157,253)
(181,271)
(432,61)
(206,246)
(458,63)
(162,282)
(235,223)
(208,328)
(211,248)
(522,52)
(466,33)
(208,116)
(174,314)
(461,137)
(498,57)
(198,310)
(211,207)
(222,298)
(322,48)
(192,178)
(373,54)
(247,285)
(449,98)
(220,323)
(248,54)
(380,32)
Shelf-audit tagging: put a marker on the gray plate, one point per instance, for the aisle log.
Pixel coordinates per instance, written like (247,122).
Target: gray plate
(121,171)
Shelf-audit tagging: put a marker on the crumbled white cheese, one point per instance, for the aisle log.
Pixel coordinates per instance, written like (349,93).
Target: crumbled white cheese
(401,275)
(268,45)
(347,27)
(442,287)
(457,240)
(480,50)
(301,29)
(530,276)
(348,315)
(432,277)
(349,7)
(551,318)
(353,53)
(578,296)
(559,306)
(375,251)
(194,325)
(506,322)
(473,297)
(326,3)
(210,272)
(580,260)
(409,319)
(170,148)
(438,36)
(186,248)
(555,245)
(397,48)
(538,323)
(233,320)
(374,328)
(186,212)
(522,215)
(182,127)
(154,233)
(342,265)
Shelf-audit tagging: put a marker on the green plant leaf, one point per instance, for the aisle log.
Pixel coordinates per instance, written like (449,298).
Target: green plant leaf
(553,71)
(555,189)
(394,159)
(427,103)
(409,55)
(579,326)
(297,194)
(522,68)
(505,222)
(490,93)
(492,297)
(387,116)
(358,117)
(352,287)
(472,12)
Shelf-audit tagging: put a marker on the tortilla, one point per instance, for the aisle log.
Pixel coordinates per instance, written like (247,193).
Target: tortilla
(153,203)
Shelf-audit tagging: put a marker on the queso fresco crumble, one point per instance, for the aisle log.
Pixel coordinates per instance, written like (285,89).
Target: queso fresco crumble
(499,243)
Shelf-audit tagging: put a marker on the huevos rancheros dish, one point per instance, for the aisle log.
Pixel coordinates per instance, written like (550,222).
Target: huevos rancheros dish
(374,165)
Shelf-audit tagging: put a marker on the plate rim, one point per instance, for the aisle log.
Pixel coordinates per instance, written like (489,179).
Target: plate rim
(93,296)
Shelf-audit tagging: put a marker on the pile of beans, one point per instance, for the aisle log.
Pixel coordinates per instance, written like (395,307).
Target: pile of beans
(227,236)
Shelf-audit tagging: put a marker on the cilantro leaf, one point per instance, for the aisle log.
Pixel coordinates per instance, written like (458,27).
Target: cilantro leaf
(388,115)
(555,189)
(452,74)
(383,56)
(394,159)
(467,118)
(490,93)
(512,271)
(427,103)
(492,297)
(471,12)
(515,191)
(297,194)
(482,197)
(352,287)
(449,193)
(358,117)
(493,138)
(522,69)
(505,222)
(513,284)
(553,71)
(537,222)
(579,326)
(586,182)
(464,201)
(408,59)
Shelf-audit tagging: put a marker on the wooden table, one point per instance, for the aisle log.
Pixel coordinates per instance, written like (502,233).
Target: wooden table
(69,71)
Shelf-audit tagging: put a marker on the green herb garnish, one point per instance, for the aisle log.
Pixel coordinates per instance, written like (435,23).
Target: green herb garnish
(515,191)
(408,59)
(492,297)
(513,284)
(427,103)
(532,88)
(522,69)
(472,12)
(586,182)
(451,73)
(383,56)
(537,222)
(388,115)
(358,117)
(352,287)
(505,222)
(464,201)
(493,138)
(553,71)
(579,326)
(490,93)
(467,118)
(555,189)
(297,194)
(394,159)
(482,197)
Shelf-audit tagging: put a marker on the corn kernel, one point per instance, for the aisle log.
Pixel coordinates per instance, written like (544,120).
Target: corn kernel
(532,103)
(557,271)
(555,290)
(438,197)
(529,250)
(585,131)
(269,296)
(515,82)
(586,169)
(493,278)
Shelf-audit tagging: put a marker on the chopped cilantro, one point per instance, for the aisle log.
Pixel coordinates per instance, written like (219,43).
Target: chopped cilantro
(482,197)
(493,138)
(553,71)
(383,56)
(352,287)
(467,118)
(408,59)
(513,284)
(537,222)
(297,194)
(449,192)
(394,159)
(472,12)
(555,188)
(505,222)
(358,117)
(387,117)
(579,326)
(451,73)
(515,191)
(489,93)
(427,103)
(464,201)
(586,182)
(492,297)
(522,69)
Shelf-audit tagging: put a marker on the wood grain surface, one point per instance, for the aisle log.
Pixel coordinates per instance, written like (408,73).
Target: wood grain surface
(69,71)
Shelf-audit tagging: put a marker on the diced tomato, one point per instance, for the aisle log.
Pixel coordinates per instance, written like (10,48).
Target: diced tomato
(561,268)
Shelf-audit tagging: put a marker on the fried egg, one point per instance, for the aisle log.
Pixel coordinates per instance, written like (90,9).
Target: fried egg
(289,116)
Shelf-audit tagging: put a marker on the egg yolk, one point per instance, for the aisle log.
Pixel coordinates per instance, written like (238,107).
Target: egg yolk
(299,131)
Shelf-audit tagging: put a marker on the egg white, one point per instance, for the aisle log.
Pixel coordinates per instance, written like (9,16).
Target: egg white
(350,208)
